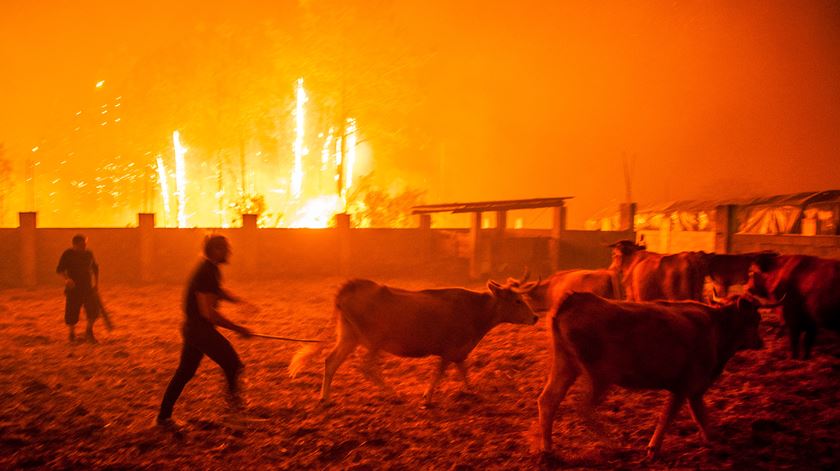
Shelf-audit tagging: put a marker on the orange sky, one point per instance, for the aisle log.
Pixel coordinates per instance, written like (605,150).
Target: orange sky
(516,99)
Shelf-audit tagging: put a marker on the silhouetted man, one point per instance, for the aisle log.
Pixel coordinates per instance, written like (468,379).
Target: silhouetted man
(81,278)
(199,329)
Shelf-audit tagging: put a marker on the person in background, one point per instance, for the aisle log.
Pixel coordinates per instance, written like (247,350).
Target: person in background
(81,278)
(201,338)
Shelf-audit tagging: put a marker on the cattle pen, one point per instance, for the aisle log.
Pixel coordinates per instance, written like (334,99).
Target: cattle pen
(92,406)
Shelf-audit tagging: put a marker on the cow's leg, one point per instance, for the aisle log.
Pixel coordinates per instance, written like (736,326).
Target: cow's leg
(559,381)
(698,413)
(339,353)
(810,337)
(597,391)
(794,332)
(372,371)
(675,401)
(439,372)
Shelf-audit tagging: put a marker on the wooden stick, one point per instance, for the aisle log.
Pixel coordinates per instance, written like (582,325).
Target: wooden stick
(290,339)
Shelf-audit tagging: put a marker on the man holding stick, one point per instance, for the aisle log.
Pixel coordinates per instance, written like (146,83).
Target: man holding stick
(199,329)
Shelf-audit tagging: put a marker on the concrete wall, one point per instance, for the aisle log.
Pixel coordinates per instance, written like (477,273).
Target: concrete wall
(821,246)
(519,249)
(149,254)
(9,257)
(109,246)
(29,255)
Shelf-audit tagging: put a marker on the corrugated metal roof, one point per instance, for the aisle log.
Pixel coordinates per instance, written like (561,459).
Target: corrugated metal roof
(481,206)
(803,199)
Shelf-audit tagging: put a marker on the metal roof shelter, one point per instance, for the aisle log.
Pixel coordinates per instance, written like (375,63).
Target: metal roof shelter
(807,213)
(500,207)
(769,214)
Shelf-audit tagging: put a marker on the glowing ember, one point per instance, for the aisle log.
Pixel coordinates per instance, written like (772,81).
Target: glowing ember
(180,179)
(299,148)
(317,212)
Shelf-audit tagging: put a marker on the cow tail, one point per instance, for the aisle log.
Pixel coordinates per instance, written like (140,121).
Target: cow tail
(303,357)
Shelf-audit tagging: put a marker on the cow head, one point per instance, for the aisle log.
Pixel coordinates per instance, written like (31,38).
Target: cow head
(757,283)
(534,292)
(748,318)
(742,318)
(622,254)
(509,304)
(762,280)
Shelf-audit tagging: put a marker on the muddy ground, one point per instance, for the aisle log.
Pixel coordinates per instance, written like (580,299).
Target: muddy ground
(92,406)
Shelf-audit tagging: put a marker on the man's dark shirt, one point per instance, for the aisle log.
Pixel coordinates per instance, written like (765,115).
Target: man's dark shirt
(206,279)
(79,265)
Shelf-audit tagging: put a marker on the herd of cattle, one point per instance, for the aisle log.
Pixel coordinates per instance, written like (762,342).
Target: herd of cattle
(642,323)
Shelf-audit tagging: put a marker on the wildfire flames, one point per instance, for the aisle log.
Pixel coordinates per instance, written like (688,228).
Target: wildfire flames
(310,206)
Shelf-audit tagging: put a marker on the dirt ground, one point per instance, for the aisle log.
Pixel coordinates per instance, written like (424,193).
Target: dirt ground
(92,406)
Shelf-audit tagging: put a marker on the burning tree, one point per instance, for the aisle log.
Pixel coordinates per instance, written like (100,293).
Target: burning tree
(363,77)
(374,206)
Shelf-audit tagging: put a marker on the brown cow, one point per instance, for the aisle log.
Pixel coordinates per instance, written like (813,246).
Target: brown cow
(681,347)
(544,294)
(727,270)
(447,323)
(808,289)
(648,276)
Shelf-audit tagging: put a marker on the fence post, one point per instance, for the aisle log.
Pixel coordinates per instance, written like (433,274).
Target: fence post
(342,225)
(498,246)
(558,225)
(424,221)
(146,227)
(725,227)
(27,222)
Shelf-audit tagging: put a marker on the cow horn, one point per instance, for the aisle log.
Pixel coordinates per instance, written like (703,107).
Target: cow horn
(525,275)
(772,305)
(715,299)
(526,288)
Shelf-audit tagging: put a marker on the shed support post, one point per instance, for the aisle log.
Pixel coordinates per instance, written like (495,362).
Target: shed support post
(725,227)
(476,239)
(558,225)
